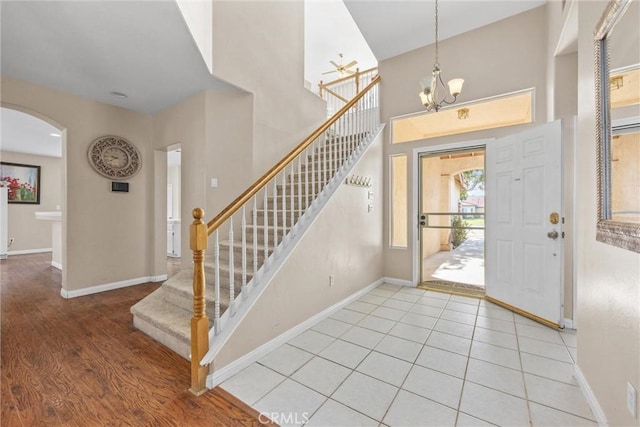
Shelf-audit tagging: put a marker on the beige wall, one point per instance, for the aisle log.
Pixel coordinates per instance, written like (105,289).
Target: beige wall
(259,46)
(232,136)
(28,232)
(214,130)
(608,278)
(106,236)
(351,252)
(503,57)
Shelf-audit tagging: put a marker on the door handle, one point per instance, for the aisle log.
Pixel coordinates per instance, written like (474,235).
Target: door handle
(553,234)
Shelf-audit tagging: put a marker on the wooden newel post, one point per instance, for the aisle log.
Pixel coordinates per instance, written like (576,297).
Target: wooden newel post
(199,323)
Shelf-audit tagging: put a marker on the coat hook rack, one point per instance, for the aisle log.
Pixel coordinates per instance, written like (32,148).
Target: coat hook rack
(359,181)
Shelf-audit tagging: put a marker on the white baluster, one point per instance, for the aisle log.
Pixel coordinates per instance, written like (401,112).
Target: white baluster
(342,132)
(292,198)
(284,202)
(255,236)
(243,288)
(275,214)
(266,227)
(329,157)
(313,170)
(306,174)
(299,186)
(323,163)
(336,148)
(216,283)
(349,133)
(231,270)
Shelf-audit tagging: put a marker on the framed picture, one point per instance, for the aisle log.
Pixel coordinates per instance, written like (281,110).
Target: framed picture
(23,182)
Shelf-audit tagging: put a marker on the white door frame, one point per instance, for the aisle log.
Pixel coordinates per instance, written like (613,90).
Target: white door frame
(417,152)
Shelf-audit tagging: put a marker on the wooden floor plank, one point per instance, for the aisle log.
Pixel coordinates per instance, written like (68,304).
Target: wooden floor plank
(80,362)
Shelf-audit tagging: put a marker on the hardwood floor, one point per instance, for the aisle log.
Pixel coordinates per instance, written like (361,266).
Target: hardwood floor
(80,362)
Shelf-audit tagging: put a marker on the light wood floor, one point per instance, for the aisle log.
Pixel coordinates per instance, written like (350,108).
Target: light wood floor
(80,362)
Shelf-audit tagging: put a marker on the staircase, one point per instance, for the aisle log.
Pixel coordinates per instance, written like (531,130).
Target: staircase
(165,314)
(248,239)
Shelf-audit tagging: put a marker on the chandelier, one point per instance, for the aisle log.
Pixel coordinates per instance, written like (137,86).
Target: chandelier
(434,92)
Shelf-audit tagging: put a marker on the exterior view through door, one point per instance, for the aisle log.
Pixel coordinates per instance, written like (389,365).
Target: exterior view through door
(521,268)
(451,220)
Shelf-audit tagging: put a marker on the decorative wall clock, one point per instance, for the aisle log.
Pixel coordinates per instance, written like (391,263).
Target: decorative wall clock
(114,157)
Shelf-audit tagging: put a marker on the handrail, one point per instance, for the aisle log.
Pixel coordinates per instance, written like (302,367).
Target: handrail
(344,79)
(254,188)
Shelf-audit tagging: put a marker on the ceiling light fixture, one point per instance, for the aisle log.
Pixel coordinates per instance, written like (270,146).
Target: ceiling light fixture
(119,94)
(432,86)
(57,135)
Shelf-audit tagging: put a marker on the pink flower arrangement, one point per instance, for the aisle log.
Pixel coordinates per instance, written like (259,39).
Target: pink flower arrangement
(18,191)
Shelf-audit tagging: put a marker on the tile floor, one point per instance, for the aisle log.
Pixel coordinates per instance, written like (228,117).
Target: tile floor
(402,356)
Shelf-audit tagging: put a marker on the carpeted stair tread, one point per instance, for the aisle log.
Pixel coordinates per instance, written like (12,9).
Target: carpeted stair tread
(182,283)
(168,317)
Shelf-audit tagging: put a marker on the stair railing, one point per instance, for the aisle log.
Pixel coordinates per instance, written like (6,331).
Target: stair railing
(276,203)
(338,92)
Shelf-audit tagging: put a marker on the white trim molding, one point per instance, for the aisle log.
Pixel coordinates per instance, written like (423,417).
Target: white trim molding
(598,413)
(399,282)
(111,286)
(30,251)
(220,375)
(568,323)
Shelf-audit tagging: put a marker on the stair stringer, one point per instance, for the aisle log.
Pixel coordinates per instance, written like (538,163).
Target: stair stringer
(231,319)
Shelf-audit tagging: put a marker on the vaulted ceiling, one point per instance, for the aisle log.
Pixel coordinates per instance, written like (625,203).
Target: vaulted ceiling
(144,48)
(393,27)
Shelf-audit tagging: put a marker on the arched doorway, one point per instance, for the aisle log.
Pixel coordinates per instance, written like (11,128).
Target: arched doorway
(35,143)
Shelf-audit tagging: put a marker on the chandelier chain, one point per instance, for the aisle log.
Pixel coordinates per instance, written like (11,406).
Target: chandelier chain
(437,63)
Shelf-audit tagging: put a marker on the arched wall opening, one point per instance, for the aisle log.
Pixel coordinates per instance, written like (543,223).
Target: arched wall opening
(33,148)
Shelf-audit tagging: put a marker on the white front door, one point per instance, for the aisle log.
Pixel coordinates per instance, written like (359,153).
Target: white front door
(523,215)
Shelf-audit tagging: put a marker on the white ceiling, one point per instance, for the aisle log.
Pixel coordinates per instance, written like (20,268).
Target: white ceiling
(393,27)
(145,49)
(92,48)
(330,30)
(24,133)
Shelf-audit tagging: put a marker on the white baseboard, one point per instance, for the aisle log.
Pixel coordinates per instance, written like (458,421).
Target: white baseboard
(568,323)
(56,265)
(399,282)
(111,286)
(30,251)
(226,372)
(598,413)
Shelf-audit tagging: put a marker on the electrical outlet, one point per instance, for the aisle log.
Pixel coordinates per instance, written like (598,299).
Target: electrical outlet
(632,400)
(331,281)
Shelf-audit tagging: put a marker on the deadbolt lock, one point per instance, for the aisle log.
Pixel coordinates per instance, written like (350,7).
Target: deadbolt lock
(554,218)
